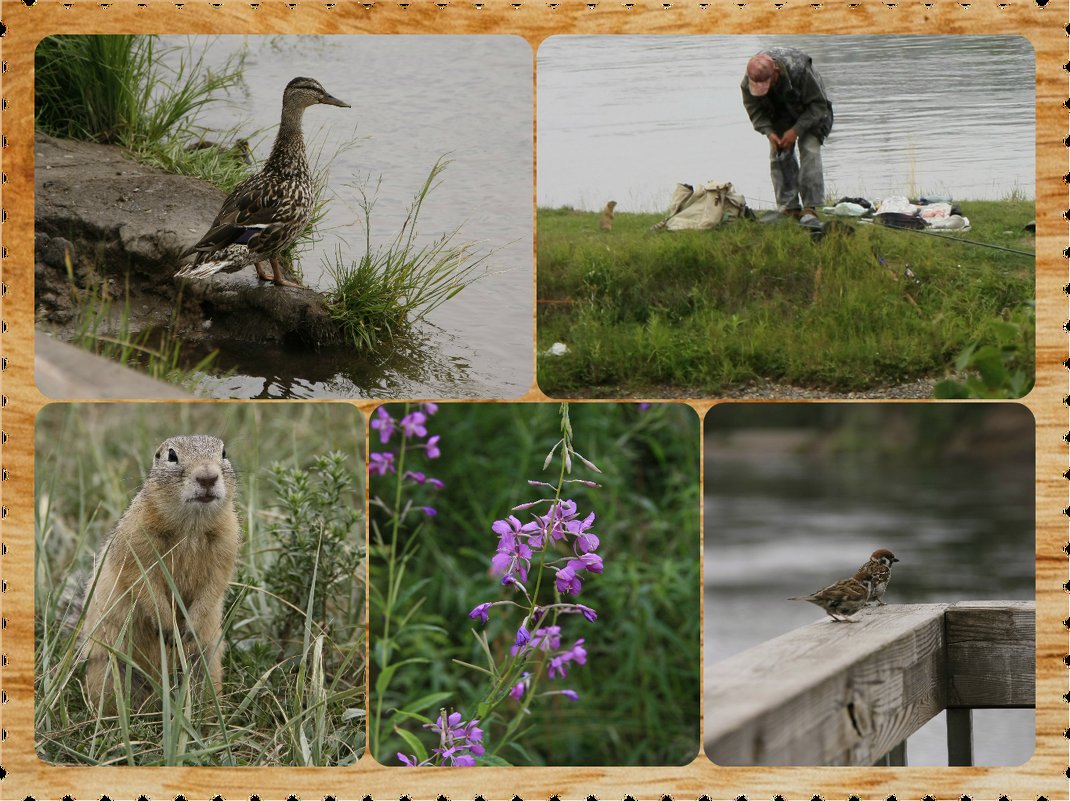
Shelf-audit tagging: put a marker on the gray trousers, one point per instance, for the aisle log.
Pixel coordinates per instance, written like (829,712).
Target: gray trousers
(790,179)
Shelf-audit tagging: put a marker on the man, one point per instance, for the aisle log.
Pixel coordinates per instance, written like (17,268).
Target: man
(786,101)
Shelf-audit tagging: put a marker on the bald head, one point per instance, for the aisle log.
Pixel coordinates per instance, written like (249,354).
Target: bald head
(761,74)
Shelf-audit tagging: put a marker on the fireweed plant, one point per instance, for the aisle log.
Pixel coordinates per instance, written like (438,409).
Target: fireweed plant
(540,566)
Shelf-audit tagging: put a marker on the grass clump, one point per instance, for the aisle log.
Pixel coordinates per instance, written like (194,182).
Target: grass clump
(390,289)
(703,311)
(118,89)
(294,618)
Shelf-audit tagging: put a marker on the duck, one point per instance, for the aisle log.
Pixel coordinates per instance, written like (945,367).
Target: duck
(266,212)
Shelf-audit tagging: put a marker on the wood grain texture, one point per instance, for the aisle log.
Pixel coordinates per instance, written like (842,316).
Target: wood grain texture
(991,654)
(1041,775)
(828,693)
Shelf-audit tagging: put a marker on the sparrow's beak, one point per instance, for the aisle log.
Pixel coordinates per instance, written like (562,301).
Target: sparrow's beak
(330,100)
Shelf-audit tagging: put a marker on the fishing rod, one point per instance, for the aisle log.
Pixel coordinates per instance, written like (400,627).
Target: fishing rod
(977,242)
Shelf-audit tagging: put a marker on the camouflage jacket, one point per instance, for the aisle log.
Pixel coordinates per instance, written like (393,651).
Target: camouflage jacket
(797,100)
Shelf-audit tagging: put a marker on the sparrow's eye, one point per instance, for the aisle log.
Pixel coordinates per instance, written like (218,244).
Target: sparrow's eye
(171,455)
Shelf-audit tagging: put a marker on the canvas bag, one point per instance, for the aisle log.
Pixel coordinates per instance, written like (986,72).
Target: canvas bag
(703,208)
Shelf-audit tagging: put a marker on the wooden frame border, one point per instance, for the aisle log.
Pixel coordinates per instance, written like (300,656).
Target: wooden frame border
(1045,775)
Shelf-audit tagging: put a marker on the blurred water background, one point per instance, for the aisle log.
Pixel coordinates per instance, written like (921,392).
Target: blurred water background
(798,496)
(627,117)
(414,99)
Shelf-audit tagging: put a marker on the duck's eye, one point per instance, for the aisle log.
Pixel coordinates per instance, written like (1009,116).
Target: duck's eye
(171,455)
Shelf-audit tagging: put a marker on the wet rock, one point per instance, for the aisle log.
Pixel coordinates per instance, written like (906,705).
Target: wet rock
(128,224)
(56,253)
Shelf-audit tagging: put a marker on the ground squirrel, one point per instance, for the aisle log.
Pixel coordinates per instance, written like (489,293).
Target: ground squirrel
(607,216)
(184,519)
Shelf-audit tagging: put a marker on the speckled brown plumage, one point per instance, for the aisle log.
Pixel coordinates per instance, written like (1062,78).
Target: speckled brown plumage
(266,212)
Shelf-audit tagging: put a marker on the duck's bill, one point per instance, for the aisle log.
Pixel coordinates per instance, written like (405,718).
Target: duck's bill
(334,101)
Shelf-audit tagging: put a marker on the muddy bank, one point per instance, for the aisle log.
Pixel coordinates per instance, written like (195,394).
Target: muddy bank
(104,220)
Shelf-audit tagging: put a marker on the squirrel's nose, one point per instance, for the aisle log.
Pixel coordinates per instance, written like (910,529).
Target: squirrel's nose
(208,480)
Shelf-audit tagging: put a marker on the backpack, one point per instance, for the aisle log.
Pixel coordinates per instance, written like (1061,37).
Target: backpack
(703,208)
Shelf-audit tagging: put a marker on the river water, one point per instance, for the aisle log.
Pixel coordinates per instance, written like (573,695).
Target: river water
(963,530)
(627,117)
(414,99)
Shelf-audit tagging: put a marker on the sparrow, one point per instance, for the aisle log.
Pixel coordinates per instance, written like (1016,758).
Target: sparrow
(879,570)
(843,598)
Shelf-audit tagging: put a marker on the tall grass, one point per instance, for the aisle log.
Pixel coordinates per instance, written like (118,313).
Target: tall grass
(293,676)
(116,89)
(390,289)
(704,311)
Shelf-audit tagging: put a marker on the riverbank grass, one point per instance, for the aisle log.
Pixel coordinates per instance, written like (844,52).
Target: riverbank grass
(383,295)
(645,313)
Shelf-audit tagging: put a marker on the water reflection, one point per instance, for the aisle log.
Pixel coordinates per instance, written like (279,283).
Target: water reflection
(626,117)
(421,368)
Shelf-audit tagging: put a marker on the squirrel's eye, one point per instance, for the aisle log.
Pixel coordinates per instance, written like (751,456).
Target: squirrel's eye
(157,456)
(171,455)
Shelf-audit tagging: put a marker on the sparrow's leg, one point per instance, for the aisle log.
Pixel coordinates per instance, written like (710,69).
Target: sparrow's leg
(261,273)
(881,603)
(278,278)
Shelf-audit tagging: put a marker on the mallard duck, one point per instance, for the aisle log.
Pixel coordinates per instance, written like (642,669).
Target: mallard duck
(266,212)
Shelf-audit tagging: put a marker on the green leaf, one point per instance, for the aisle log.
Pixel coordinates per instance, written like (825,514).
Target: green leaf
(382,681)
(430,700)
(492,761)
(413,742)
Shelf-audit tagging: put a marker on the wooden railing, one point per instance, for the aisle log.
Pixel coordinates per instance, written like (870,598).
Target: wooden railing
(851,693)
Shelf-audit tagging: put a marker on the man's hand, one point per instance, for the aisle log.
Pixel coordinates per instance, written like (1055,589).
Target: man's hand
(787,141)
(775,140)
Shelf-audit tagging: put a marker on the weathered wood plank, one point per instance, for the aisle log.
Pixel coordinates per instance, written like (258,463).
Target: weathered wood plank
(991,653)
(828,693)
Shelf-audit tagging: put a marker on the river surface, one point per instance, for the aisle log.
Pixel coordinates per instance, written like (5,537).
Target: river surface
(414,99)
(963,530)
(628,117)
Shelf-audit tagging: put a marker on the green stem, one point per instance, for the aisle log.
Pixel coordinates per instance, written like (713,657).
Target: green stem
(391,586)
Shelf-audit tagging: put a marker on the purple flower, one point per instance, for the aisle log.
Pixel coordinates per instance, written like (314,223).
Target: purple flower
(587,612)
(514,554)
(643,406)
(577,653)
(430,511)
(480,612)
(459,742)
(585,541)
(412,425)
(384,422)
(523,636)
(572,695)
(430,408)
(567,582)
(436,483)
(381,463)
(413,475)
(432,447)
(520,687)
(408,761)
